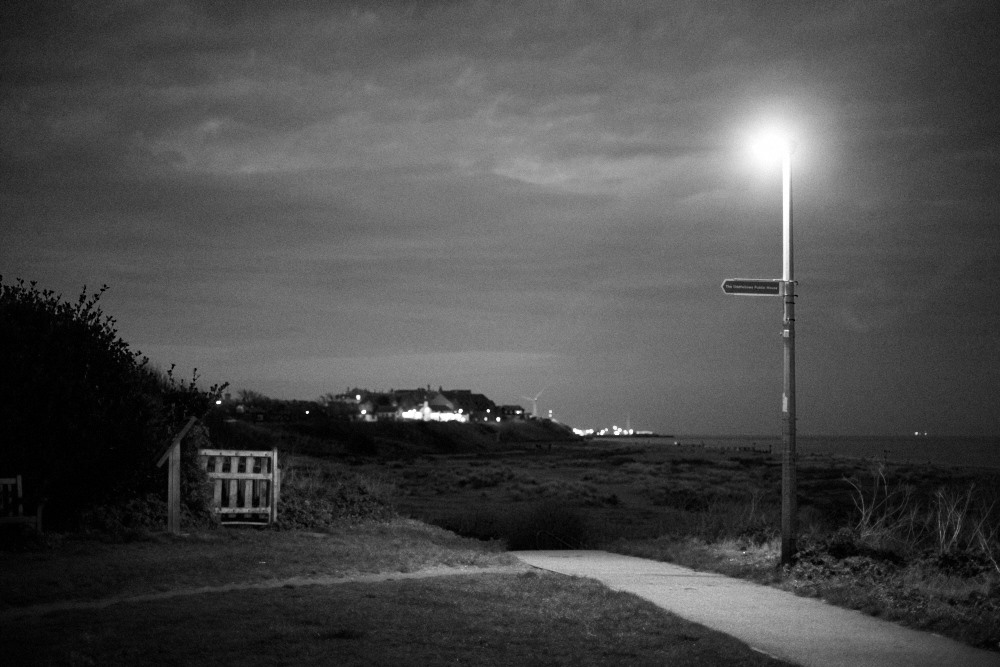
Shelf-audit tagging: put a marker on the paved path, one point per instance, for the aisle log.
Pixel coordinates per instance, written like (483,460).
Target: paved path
(801,630)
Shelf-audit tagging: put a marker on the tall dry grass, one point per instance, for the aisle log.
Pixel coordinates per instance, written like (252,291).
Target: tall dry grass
(953,523)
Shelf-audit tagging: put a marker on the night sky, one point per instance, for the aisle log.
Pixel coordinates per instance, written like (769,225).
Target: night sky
(509,197)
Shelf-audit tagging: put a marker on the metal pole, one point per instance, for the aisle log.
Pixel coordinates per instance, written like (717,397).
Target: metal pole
(788,481)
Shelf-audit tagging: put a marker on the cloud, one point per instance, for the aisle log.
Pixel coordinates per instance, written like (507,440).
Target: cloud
(330,186)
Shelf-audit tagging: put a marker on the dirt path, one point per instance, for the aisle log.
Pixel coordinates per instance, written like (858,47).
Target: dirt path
(288,582)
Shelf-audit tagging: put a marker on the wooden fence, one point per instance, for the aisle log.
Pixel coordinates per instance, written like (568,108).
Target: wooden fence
(246,484)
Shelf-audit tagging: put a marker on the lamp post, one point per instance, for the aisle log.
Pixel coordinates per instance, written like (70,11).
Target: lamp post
(788,464)
(784,287)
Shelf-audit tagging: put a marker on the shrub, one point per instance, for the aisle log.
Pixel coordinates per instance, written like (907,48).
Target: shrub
(487,478)
(478,523)
(316,499)
(128,520)
(196,487)
(82,414)
(547,525)
(544,525)
(235,434)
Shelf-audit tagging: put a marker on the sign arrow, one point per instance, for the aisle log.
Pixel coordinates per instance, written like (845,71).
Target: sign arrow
(753,286)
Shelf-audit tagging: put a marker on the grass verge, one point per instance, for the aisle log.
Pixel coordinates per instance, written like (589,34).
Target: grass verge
(527,619)
(86,569)
(917,593)
(917,544)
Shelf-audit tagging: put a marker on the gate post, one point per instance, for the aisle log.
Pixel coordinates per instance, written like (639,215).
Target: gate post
(275,485)
(173,454)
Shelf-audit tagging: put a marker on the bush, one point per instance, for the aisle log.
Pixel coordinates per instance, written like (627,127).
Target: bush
(126,521)
(196,487)
(316,499)
(545,525)
(82,414)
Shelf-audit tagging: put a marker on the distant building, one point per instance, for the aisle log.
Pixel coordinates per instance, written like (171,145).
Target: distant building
(512,412)
(477,406)
(423,404)
(366,411)
(387,409)
(437,409)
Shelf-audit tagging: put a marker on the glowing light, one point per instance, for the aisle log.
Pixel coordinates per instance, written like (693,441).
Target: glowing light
(773,144)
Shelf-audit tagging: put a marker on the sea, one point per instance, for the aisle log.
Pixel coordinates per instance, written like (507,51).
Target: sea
(974,452)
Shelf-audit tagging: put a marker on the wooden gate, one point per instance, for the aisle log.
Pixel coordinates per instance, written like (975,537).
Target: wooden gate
(12,504)
(246,484)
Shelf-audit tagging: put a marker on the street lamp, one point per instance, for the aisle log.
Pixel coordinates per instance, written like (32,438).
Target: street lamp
(779,145)
(789,508)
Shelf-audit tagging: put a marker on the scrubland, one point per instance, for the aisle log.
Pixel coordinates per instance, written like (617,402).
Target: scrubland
(917,544)
(914,543)
(265,596)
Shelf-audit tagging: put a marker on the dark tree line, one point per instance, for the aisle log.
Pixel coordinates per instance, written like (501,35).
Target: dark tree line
(82,414)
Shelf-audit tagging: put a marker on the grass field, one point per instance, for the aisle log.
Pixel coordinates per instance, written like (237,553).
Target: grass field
(905,539)
(634,492)
(88,569)
(914,543)
(518,616)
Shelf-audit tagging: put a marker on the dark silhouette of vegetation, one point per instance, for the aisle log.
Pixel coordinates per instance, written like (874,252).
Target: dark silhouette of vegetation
(544,525)
(83,415)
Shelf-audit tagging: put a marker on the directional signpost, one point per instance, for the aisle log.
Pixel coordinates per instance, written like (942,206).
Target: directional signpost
(753,286)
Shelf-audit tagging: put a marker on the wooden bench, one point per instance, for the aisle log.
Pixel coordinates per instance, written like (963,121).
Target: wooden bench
(12,504)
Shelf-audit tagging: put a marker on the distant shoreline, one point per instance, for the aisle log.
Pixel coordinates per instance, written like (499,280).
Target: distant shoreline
(972,451)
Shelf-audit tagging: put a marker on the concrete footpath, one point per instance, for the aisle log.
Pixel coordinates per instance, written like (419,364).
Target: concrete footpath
(804,631)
